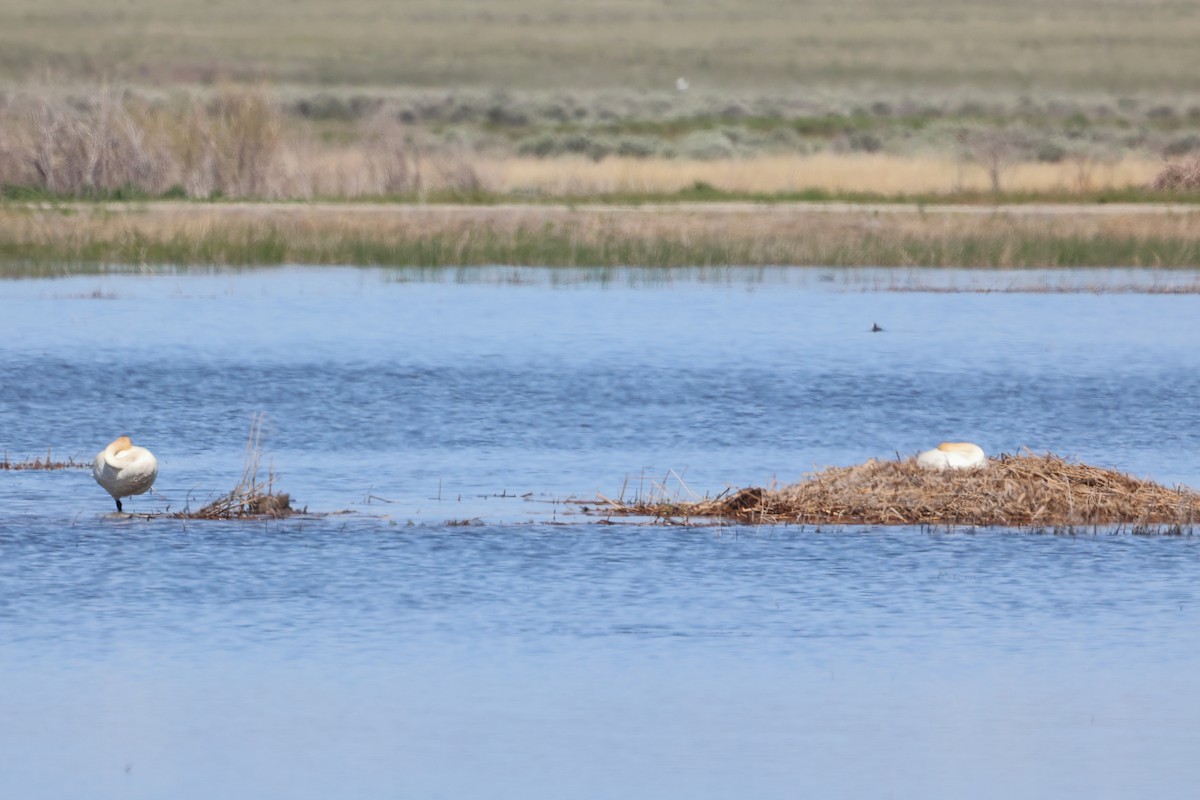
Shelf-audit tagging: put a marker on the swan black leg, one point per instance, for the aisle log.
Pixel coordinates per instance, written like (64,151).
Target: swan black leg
(118,503)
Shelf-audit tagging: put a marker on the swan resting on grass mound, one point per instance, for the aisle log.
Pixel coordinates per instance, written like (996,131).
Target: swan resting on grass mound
(953,455)
(124,469)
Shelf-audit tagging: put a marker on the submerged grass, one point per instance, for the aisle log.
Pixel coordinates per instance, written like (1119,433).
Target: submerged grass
(47,463)
(50,240)
(1028,491)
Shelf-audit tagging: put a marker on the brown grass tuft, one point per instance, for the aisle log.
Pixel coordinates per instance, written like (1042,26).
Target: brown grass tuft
(1013,491)
(1183,175)
(252,497)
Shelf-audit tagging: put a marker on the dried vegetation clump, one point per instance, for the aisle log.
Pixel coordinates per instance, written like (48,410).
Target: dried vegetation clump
(253,497)
(1045,492)
(237,143)
(1182,175)
(47,463)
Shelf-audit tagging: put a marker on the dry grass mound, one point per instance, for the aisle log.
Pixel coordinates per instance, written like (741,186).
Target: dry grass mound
(1012,491)
(253,497)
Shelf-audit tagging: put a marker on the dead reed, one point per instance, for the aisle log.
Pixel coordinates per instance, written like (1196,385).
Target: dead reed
(1179,175)
(252,497)
(47,463)
(238,143)
(1026,491)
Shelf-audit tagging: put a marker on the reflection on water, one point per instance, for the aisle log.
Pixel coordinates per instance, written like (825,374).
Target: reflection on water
(384,653)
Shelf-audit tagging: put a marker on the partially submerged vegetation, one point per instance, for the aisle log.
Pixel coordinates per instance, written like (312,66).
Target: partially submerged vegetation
(254,496)
(38,463)
(1027,491)
(52,240)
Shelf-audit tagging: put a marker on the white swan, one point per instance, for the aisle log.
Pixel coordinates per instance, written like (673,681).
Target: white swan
(953,455)
(124,470)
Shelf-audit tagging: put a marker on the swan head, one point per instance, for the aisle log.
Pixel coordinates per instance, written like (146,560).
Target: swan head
(120,444)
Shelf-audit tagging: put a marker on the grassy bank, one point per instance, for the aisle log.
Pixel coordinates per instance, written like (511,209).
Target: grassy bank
(52,240)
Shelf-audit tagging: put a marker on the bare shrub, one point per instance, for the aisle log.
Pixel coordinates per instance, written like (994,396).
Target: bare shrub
(392,157)
(453,170)
(244,131)
(399,160)
(1182,175)
(230,146)
(191,146)
(88,145)
(1084,161)
(16,168)
(997,150)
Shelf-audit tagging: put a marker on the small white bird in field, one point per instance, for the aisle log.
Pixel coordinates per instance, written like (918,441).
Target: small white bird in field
(124,469)
(681,84)
(953,455)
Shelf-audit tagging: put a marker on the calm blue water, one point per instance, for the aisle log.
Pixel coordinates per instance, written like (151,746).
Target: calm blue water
(385,654)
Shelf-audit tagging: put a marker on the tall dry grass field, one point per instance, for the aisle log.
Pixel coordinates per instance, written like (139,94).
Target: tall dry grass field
(1118,46)
(882,174)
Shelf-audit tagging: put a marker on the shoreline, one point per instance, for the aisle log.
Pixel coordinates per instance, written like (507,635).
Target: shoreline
(53,238)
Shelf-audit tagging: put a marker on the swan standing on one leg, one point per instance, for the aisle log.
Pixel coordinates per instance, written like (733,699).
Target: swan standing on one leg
(953,455)
(124,470)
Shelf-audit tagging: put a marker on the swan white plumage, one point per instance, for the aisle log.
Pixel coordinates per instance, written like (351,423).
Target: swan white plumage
(124,469)
(953,455)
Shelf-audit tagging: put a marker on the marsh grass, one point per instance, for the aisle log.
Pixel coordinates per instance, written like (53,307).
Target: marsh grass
(1027,491)
(254,496)
(47,463)
(47,241)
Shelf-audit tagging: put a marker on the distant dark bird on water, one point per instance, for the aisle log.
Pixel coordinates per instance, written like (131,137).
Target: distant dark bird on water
(875,328)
